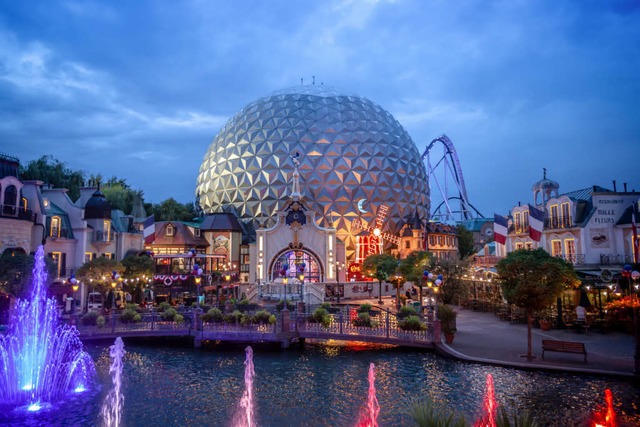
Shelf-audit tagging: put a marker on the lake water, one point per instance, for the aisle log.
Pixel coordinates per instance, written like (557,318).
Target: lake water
(321,385)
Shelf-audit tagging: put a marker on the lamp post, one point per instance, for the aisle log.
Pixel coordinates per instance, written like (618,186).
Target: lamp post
(338,265)
(397,279)
(285,280)
(197,279)
(301,278)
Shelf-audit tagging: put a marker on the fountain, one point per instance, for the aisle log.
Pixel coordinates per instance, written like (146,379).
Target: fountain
(369,414)
(40,360)
(490,406)
(605,417)
(245,416)
(112,406)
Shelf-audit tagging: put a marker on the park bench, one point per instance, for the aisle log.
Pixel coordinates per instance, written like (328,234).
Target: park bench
(564,347)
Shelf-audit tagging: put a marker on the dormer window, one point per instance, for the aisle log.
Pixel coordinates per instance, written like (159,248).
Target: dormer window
(196,232)
(54,231)
(170,231)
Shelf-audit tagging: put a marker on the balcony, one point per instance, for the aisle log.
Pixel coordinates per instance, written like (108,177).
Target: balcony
(102,236)
(615,259)
(519,229)
(576,259)
(555,223)
(16,212)
(63,233)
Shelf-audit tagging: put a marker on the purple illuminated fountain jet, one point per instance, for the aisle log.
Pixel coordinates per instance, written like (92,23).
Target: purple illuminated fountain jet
(40,360)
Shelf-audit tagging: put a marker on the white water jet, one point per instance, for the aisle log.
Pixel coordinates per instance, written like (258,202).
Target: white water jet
(114,402)
(245,416)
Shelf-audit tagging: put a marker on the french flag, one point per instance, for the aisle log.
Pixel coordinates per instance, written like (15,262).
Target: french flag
(636,244)
(536,223)
(149,230)
(500,224)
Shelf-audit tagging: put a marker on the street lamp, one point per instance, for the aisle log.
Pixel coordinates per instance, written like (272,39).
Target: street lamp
(301,278)
(198,279)
(285,280)
(397,279)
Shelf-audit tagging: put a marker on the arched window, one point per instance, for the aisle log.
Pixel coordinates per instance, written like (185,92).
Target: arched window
(170,230)
(54,230)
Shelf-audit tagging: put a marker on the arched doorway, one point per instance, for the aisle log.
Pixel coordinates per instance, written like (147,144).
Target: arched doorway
(297,263)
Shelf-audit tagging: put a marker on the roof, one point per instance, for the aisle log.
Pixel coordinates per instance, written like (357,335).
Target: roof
(476,224)
(586,193)
(625,218)
(182,236)
(97,207)
(221,221)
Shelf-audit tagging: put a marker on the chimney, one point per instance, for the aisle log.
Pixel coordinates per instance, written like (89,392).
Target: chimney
(625,186)
(614,186)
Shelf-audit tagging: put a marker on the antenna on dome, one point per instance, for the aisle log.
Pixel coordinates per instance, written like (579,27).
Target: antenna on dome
(313,80)
(301,81)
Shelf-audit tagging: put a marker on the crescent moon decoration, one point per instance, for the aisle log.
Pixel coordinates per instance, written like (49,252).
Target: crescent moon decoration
(360,208)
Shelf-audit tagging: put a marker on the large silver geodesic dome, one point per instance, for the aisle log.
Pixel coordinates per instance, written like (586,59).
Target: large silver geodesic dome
(353,154)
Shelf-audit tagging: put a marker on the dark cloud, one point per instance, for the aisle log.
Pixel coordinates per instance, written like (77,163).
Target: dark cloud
(139,89)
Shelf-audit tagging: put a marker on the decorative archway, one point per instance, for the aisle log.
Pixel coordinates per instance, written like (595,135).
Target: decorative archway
(300,262)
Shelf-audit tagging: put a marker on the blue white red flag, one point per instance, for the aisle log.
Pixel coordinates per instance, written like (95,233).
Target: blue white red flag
(636,244)
(149,230)
(536,223)
(500,230)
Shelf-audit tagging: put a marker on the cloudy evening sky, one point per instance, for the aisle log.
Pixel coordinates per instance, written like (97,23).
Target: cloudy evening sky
(138,89)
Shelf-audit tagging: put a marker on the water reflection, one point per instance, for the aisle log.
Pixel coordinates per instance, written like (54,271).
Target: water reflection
(325,385)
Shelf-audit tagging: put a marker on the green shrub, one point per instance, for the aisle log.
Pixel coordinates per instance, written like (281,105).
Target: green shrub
(280,305)
(428,414)
(320,315)
(178,318)
(245,319)
(130,306)
(163,306)
(326,305)
(364,319)
(365,308)
(90,318)
(272,319)
(244,301)
(406,311)
(261,316)
(213,315)
(447,316)
(100,321)
(234,317)
(412,323)
(169,314)
(129,315)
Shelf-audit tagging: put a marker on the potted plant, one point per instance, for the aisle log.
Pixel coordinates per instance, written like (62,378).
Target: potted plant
(447,316)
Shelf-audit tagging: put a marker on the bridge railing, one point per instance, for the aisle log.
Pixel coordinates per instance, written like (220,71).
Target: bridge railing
(149,322)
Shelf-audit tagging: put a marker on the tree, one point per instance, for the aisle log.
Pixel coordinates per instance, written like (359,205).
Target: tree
(453,286)
(16,272)
(413,266)
(172,210)
(380,266)
(465,242)
(54,172)
(98,272)
(532,280)
(136,267)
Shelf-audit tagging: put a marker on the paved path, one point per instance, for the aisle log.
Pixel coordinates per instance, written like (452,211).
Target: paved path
(483,337)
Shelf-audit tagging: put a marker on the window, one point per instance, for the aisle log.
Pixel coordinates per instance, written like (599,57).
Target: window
(170,230)
(407,244)
(440,240)
(566,215)
(56,257)
(556,248)
(107,256)
(519,245)
(432,241)
(529,246)
(553,216)
(525,221)
(24,203)
(106,226)
(87,257)
(570,249)
(54,231)
(196,232)
(517,219)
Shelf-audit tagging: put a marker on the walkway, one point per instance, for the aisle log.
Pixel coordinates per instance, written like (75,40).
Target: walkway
(483,338)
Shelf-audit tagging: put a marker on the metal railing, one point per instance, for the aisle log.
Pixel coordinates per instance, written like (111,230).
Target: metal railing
(385,327)
(102,236)
(616,259)
(553,223)
(16,212)
(576,259)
